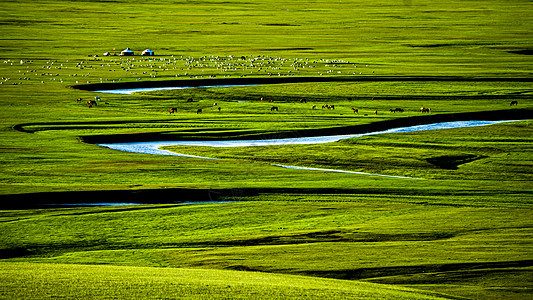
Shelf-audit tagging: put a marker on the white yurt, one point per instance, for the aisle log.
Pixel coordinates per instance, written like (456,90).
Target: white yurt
(126,52)
(148,52)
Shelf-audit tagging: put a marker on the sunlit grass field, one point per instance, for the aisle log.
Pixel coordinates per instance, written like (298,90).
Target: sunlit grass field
(461,229)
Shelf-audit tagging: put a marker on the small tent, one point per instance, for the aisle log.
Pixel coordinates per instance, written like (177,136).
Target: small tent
(148,52)
(126,52)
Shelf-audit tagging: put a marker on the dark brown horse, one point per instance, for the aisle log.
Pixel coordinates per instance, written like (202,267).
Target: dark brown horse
(90,103)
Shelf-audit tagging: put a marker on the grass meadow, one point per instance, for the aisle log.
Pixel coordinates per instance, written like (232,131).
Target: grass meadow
(461,230)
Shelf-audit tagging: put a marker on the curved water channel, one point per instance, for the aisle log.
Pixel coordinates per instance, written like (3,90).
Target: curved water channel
(129,91)
(154,148)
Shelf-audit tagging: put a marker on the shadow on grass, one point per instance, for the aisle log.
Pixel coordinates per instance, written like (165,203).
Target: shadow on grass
(178,196)
(282,80)
(381,273)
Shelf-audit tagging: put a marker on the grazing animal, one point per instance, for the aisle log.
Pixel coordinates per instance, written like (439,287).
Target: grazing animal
(79,100)
(314,106)
(219,108)
(355,110)
(324,106)
(303,101)
(425,109)
(331,107)
(376,112)
(261,99)
(199,111)
(396,110)
(215,104)
(90,103)
(274,108)
(173,110)
(514,102)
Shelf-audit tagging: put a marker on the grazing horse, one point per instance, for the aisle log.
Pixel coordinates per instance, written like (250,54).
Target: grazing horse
(425,109)
(331,107)
(514,102)
(199,111)
(173,110)
(303,101)
(324,106)
(314,106)
(90,103)
(79,100)
(396,110)
(274,108)
(355,110)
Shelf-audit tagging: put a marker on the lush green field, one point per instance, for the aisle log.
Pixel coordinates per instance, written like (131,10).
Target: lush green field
(462,229)
(112,282)
(457,250)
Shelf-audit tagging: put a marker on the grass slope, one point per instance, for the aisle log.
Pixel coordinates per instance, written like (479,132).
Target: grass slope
(24,280)
(423,246)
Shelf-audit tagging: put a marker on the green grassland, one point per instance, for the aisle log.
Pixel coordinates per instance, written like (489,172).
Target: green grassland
(461,229)
(455,250)
(114,282)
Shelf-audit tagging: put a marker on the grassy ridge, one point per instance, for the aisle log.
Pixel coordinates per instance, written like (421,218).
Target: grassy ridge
(110,282)
(426,247)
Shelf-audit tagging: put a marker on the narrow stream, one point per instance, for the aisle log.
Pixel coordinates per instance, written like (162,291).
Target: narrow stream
(140,90)
(154,147)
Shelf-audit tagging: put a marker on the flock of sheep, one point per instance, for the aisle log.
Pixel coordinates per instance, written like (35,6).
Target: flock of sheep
(130,68)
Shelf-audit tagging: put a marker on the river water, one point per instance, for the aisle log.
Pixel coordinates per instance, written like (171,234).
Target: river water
(154,147)
(141,90)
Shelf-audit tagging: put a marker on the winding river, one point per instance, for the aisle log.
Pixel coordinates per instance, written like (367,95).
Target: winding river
(155,147)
